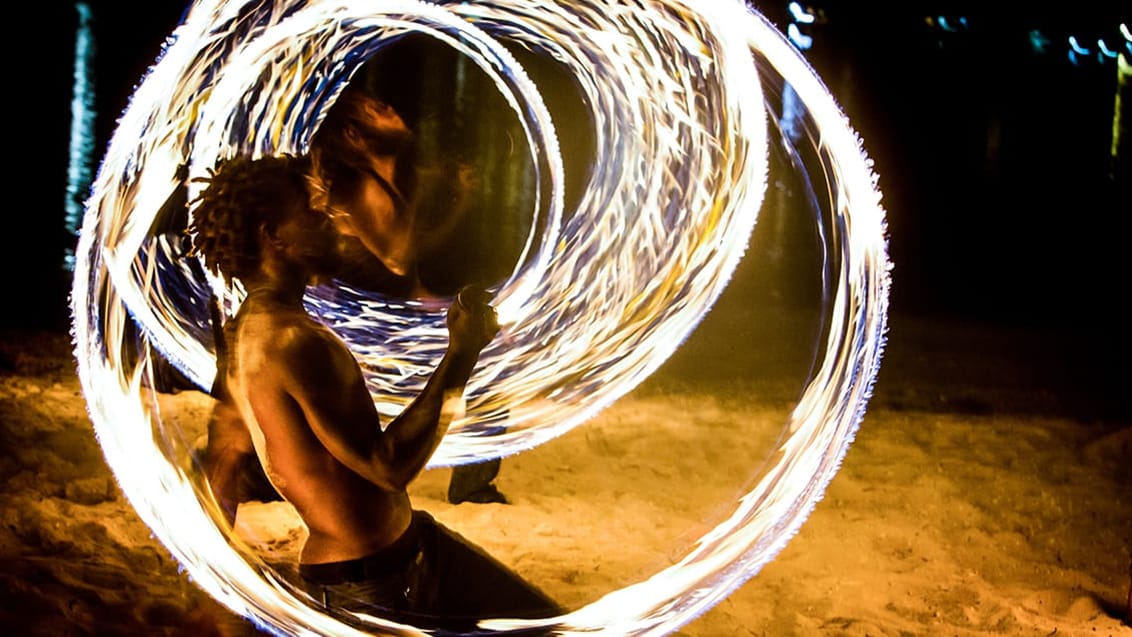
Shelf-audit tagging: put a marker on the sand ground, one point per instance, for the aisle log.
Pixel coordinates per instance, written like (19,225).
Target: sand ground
(988,492)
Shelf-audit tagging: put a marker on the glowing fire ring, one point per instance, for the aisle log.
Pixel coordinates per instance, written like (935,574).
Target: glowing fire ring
(680,169)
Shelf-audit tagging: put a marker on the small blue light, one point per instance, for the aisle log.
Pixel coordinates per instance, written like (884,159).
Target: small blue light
(1038,41)
(800,40)
(1077,47)
(800,14)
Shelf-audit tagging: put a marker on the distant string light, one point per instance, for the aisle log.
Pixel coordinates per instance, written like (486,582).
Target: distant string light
(1039,41)
(945,23)
(601,298)
(801,17)
(800,40)
(1075,47)
(800,14)
(1102,52)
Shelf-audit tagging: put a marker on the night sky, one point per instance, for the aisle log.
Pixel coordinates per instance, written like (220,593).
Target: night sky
(994,159)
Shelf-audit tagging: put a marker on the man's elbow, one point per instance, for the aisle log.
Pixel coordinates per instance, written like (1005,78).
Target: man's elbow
(396,479)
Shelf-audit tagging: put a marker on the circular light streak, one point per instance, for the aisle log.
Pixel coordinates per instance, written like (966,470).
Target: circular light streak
(602,296)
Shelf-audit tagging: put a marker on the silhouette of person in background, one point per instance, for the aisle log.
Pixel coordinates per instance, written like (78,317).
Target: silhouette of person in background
(368,180)
(299,403)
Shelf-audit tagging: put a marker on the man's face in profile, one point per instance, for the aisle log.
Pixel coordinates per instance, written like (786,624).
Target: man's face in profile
(310,239)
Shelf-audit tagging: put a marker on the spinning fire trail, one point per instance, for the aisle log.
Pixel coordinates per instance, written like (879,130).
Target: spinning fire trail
(684,104)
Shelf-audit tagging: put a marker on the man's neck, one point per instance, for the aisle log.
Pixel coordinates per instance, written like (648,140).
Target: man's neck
(281,290)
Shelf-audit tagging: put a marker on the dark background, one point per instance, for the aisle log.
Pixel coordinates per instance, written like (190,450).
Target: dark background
(1004,202)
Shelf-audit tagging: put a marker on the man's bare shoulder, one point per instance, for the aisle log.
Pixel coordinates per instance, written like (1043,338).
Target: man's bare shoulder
(281,333)
(291,345)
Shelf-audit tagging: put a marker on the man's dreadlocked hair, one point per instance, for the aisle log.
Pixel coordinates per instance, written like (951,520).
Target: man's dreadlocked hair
(241,195)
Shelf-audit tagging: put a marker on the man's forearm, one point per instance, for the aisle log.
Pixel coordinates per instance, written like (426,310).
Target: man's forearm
(418,430)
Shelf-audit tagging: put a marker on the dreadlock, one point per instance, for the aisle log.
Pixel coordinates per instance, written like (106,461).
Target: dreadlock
(241,195)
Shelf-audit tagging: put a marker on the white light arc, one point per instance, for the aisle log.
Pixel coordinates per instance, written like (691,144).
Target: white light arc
(604,295)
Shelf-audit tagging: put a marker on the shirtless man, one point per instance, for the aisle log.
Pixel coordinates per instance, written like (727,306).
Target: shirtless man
(301,396)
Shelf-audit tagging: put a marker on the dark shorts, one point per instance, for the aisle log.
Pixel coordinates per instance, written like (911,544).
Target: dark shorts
(429,578)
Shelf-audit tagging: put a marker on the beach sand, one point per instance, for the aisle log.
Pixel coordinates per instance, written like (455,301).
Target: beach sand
(988,492)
